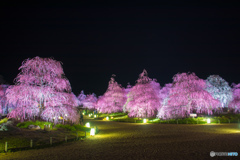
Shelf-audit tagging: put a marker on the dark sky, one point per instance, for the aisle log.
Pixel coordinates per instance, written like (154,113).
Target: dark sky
(94,41)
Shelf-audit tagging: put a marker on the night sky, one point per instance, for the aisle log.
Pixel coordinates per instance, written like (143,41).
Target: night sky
(94,41)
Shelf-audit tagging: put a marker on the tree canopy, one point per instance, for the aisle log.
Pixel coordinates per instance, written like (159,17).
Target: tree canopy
(113,99)
(42,90)
(143,98)
(188,95)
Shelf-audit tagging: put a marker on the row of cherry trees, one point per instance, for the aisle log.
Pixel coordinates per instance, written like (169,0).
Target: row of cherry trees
(186,94)
(42,91)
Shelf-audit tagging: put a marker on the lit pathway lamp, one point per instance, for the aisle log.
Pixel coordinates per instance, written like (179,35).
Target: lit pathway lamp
(107,118)
(144,120)
(87,124)
(92,132)
(208,120)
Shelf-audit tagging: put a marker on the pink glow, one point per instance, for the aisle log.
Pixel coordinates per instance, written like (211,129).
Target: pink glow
(235,103)
(2,98)
(90,101)
(143,98)
(187,95)
(81,97)
(41,90)
(113,99)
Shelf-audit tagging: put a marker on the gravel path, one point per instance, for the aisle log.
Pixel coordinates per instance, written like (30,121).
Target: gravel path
(117,140)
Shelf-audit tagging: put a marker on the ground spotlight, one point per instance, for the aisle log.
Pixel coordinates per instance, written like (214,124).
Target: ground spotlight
(144,120)
(208,120)
(92,132)
(87,124)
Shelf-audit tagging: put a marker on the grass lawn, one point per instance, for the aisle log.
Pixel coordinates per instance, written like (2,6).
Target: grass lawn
(20,139)
(123,117)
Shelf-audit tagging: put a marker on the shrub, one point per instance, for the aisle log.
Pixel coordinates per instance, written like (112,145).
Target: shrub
(4,120)
(66,126)
(37,123)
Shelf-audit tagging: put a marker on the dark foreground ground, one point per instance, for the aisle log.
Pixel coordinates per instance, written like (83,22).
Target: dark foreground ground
(118,140)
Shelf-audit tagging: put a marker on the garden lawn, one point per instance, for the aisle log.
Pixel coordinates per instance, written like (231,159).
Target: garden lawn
(117,140)
(20,139)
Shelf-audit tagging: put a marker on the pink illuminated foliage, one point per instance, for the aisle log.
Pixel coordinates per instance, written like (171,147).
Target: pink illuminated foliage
(41,90)
(164,97)
(2,99)
(187,95)
(90,101)
(143,98)
(113,99)
(5,107)
(234,105)
(127,90)
(81,97)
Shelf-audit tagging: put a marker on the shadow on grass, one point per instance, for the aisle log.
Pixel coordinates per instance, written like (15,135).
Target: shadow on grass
(82,138)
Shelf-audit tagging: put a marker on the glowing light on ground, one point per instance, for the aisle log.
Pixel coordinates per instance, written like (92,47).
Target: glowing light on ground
(107,118)
(208,120)
(154,120)
(87,124)
(144,120)
(92,132)
(95,116)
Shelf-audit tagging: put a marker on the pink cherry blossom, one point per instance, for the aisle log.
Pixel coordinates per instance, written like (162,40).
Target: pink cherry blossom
(235,103)
(41,90)
(143,98)
(90,101)
(113,99)
(187,95)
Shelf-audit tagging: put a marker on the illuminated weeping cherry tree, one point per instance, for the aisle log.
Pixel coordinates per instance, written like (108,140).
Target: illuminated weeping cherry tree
(235,103)
(2,99)
(219,89)
(5,107)
(81,97)
(164,111)
(188,95)
(113,99)
(90,101)
(41,90)
(143,98)
(127,90)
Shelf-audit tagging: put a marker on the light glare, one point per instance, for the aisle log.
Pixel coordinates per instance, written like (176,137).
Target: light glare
(144,120)
(208,120)
(92,132)
(87,124)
